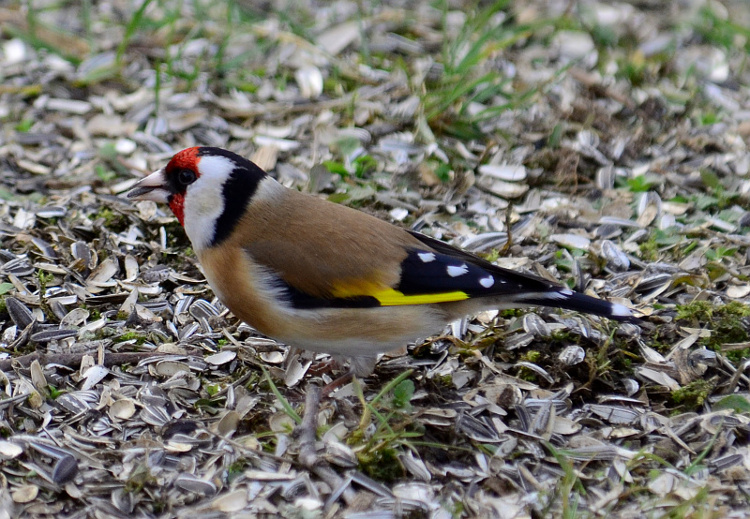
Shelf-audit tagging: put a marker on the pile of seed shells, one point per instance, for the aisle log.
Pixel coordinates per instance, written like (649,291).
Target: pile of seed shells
(127,388)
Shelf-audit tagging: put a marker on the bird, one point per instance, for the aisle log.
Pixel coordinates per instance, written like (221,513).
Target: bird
(324,277)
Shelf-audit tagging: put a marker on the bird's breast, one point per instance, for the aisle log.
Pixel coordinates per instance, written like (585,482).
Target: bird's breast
(242,285)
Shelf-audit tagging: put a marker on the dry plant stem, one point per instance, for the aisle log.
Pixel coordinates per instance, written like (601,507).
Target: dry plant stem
(308,457)
(73,360)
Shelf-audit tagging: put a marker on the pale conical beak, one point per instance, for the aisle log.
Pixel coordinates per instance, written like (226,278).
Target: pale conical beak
(153,187)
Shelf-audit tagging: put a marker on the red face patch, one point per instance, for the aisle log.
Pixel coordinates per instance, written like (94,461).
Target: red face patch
(187,158)
(177,205)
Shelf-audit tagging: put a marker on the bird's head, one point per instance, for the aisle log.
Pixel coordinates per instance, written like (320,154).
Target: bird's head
(206,188)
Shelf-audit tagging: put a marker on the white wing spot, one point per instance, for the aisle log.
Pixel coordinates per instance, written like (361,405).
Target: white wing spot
(457,270)
(487,282)
(426,257)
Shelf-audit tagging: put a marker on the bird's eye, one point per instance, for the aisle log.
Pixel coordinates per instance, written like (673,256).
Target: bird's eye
(185,177)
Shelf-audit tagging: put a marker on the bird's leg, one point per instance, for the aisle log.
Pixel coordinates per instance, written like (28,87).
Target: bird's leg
(306,430)
(306,434)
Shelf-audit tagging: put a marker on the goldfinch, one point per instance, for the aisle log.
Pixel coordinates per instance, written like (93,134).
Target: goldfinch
(324,277)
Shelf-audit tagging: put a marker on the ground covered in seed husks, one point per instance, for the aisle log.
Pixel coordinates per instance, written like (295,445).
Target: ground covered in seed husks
(601,144)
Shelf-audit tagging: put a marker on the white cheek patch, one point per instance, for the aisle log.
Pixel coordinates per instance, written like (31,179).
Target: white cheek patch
(426,257)
(487,282)
(204,200)
(455,271)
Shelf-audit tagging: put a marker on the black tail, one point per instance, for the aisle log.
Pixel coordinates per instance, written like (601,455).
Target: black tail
(569,300)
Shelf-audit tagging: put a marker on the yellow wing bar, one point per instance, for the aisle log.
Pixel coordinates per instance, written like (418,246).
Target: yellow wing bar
(391,297)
